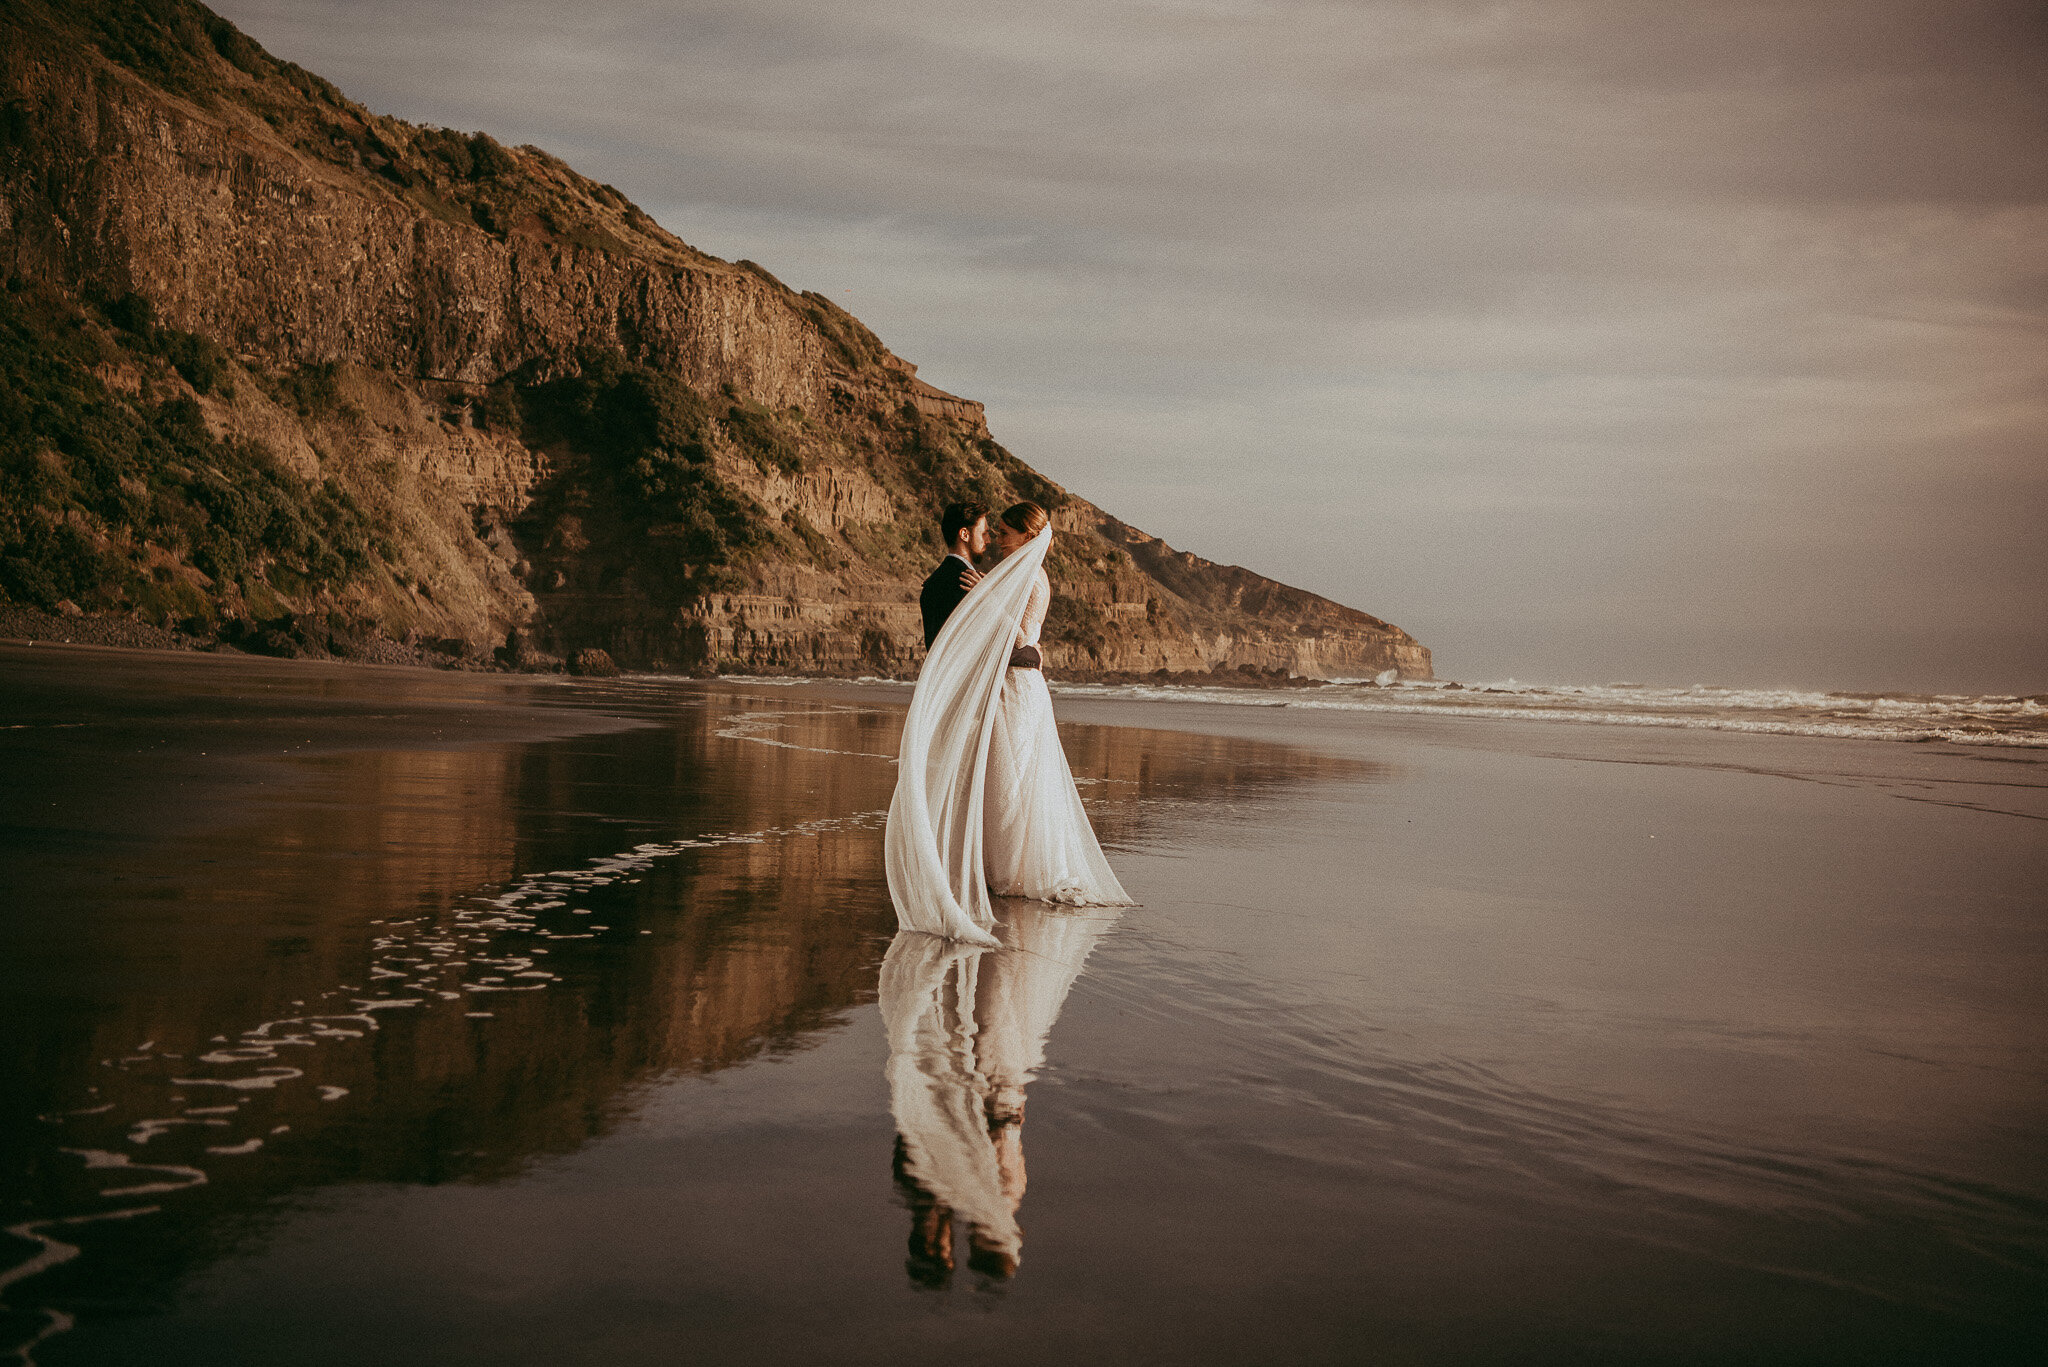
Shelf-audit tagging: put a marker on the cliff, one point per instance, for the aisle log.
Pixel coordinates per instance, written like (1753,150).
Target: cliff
(272,360)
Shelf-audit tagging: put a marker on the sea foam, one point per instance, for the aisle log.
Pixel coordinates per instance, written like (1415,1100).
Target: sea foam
(1962,719)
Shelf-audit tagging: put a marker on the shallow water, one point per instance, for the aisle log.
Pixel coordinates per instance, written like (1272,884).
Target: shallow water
(389,1018)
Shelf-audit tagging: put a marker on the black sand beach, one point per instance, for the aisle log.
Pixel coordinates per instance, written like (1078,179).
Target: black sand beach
(379,1015)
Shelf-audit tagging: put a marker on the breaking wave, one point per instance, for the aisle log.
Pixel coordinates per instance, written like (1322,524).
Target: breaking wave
(1960,719)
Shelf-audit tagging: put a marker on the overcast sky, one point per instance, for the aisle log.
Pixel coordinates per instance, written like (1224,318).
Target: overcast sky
(1586,341)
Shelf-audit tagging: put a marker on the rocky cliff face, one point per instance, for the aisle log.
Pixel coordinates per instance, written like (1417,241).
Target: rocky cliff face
(485,398)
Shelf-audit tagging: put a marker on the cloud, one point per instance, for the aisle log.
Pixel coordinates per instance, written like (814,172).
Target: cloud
(1479,315)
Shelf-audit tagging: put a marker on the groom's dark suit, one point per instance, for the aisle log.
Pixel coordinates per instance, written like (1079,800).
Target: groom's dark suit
(942,593)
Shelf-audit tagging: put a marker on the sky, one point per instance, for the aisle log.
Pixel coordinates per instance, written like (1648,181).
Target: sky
(1587,340)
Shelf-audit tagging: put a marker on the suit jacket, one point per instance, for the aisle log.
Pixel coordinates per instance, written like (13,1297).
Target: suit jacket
(942,593)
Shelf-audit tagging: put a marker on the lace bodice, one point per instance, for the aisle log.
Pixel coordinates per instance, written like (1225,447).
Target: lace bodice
(1034,610)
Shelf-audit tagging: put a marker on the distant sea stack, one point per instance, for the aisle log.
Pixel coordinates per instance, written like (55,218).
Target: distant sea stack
(279,370)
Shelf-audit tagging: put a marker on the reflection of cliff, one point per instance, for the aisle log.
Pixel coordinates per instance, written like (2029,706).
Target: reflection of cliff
(286,915)
(291,904)
(754,941)
(967,1032)
(753,957)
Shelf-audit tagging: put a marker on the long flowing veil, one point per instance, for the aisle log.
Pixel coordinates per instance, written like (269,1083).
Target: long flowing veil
(933,844)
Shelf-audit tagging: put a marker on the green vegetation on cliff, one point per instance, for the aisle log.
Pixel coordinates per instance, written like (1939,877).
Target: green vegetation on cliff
(114,501)
(649,439)
(169,41)
(468,179)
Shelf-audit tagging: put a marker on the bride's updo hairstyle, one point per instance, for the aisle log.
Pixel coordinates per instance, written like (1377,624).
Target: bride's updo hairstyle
(1028,518)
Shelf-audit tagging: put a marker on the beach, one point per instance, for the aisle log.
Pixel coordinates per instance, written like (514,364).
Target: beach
(375,1014)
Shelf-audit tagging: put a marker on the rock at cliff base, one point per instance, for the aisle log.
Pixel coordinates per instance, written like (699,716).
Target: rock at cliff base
(591,663)
(519,653)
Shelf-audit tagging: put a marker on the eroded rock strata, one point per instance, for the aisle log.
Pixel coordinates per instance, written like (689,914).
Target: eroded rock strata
(274,359)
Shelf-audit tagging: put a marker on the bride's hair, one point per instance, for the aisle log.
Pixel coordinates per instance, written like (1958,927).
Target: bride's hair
(1027,518)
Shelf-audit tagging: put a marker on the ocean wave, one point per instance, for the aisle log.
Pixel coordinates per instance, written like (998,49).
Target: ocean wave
(1961,719)
(2003,719)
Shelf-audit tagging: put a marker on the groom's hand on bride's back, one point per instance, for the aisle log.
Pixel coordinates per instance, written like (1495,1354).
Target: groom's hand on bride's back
(1026,657)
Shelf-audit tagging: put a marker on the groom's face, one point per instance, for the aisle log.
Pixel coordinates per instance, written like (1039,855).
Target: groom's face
(977,539)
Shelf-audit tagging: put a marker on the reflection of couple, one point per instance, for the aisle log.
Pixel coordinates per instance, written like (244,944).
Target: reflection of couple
(984,799)
(967,1031)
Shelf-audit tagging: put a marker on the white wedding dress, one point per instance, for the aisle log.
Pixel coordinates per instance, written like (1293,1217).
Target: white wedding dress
(984,799)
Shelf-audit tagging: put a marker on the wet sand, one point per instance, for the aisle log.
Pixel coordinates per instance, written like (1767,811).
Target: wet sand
(1435,1042)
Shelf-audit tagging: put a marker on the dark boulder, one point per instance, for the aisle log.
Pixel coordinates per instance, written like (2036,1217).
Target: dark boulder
(592,663)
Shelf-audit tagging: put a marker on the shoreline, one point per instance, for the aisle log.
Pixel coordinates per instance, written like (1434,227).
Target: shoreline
(22,626)
(275,709)
(301,637)
(1833,717)
(1986,722)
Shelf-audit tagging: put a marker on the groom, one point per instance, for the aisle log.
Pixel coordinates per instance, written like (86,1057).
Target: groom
(964,528)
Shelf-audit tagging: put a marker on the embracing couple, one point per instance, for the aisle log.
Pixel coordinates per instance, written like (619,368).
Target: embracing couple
(985,803)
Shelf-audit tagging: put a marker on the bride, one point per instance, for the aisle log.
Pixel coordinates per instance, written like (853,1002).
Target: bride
(984,800)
